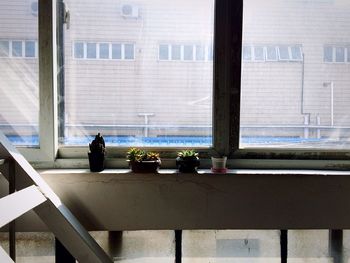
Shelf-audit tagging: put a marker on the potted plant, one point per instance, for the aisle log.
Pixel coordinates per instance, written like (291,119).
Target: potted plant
(97,154)
(187,161)
(141,161)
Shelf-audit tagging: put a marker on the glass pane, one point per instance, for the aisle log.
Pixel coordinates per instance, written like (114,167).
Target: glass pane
(129,51)
(296,102)
(17,49)
(79,50)
(91,50)
(19,80)
(139,96)
(247,53)
(116,51)
(200,53)
(271,53)
(234,246)
(328,54)
(163,52)
(104,50)
(4,48)
(340,54)
(30,49)
(259,54)
(188,52)
(175,52)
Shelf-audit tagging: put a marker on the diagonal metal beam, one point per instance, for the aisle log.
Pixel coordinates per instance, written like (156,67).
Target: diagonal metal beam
(53,213)
(16,204)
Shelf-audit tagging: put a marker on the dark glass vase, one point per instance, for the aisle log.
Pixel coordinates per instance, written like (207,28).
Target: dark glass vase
(187,164)
(96,161)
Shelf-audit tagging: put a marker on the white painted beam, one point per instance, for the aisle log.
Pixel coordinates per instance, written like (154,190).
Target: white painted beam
(53,213)
(16,204)
(4,257)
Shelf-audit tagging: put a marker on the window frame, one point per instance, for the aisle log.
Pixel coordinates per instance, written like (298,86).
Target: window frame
(227,62)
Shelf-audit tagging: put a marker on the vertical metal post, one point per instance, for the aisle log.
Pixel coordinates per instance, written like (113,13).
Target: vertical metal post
(12,225)
(178,246)
(336,245)
(62,254)
(284,245)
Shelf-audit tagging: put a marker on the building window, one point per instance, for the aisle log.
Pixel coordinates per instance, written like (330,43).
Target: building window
(259,53)
(4,48)
(271,53)
(188,52)
(129,51)
(283,53)
(30,49)
(104,51)
(296,53)
(79,50)
(176,52)
(328,54)
(200,53)
(163,52)
(17,50)
(336,54)
(116,51)
(339,54)
(91,50)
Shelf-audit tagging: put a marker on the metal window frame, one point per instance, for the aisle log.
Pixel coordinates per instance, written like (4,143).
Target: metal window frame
(48,139)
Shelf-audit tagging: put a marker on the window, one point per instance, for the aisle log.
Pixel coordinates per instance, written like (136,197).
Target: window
(247,53)
(30,49)
(271,53)
(4,48)
(296,53)
(129,51)
(104,51)
(116,51)
(176,52)
(19,80)
(339,54)
(188,52)
(259,53)
(163,52)
(328,54)
(79,50)
(138,96)
(91,50)
(17,50)
(283,53)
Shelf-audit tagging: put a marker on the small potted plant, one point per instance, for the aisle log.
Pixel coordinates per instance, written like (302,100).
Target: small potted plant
(141,161)
(187,161)
(97,154)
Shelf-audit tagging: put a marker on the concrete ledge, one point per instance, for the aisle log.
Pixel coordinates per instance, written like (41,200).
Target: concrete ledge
(241,199)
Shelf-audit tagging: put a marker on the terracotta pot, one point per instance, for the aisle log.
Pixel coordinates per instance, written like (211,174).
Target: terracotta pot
(96,161)
(145,166)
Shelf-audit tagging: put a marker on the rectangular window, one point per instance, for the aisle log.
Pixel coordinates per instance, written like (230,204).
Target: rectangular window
(79,50)
(91,50)
(19,80)
(141,103)
(328,54)
(339,54)
(116,51)
(175,52)
(296,53)
(247,53)
(188,52)
(259,53)
(296,105)
(163,52)
(104,51)
(17,49)
(4,48)
(348,54)
(200,53)
(283,53)
(129,51)
(30,49)
(271,53)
